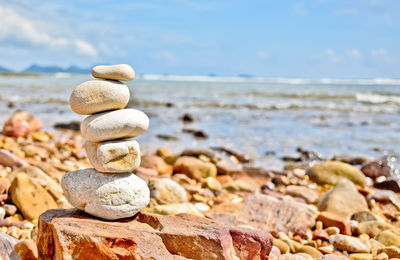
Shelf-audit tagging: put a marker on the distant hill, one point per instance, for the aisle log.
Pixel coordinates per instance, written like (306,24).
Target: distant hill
(5,70)
(55,69)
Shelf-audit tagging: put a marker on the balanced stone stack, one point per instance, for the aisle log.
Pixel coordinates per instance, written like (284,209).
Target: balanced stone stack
(109,190)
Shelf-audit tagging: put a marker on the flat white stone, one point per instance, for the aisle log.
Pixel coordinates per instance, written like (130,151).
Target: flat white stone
(117,72)
(111,125)
(99,95)
(114,156)
(105,195)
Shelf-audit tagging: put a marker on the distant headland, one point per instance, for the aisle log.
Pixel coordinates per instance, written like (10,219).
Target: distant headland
(39,69)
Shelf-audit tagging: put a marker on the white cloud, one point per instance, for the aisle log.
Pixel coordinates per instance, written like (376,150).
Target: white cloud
(347,11)
(200,6)
(167,57)
(382,56)
(331,55)
(354,53)
(379,53)
(20,30)
(140,6)
(84,47)
(262,54)
(299,9)
(380,12)
(329,52)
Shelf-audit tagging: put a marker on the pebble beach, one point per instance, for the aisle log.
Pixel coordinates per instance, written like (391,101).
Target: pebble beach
(210,195)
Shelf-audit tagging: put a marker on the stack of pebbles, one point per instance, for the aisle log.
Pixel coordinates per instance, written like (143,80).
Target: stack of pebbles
(109,190)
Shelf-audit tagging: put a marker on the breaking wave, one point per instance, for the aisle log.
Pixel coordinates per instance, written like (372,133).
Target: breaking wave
(372,98)
(291,81)
(330,106)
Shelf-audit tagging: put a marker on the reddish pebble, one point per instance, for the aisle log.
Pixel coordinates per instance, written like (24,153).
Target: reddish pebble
(10,209)
(283,180)
(376,169)
(27,249)
(20,124)
(320,234)
(331,220)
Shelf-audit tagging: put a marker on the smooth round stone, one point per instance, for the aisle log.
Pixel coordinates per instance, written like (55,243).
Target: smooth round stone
(123,123)
(167,191)
(114,156)
(117,72)
(350,244)
(331,172)
(99,95)
(105,195)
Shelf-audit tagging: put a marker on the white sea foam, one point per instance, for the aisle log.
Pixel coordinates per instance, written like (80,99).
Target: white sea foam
(62,75)
(291,81)
(33,100)
(377,98)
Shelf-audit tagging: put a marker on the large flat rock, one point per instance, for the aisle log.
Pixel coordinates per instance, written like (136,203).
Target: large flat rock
(266,213)
(72,234)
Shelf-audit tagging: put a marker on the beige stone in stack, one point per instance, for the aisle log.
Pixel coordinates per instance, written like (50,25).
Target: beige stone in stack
(114,156)
(110,190)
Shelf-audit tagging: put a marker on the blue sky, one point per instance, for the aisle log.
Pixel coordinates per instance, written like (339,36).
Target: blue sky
(320,38)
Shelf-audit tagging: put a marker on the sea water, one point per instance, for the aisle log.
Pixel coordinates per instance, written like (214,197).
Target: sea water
(258,116)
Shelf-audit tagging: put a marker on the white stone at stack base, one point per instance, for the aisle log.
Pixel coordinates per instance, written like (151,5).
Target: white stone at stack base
(122,72)
(105,195)
(117,124)
(95,96)
(114,156)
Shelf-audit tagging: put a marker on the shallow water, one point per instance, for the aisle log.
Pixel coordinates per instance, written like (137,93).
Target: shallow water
(253,115)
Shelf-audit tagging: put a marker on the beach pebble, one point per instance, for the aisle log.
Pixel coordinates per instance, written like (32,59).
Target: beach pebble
(124,123)
(350,244)
(30,197)
(177,208)
(26,249)
(332,172)
(20,124)
(377,169)
(202,206)
(99,95)
(2,213)
(389,238)
(298,256)
(332,220)
(10,209)
(275,253)
(309,195)
(281,245)
(381,256)
(337,200)
(167,191)
(390,251)
(213,184)
(309,250)
(361,256)
(117,72)
(10,160)
(363,216)
(113,156)
(242,184)
(333,257)
(195,168)
(105,195)
(152,161)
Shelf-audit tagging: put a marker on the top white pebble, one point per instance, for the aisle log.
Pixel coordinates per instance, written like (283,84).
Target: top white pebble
(122,72)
